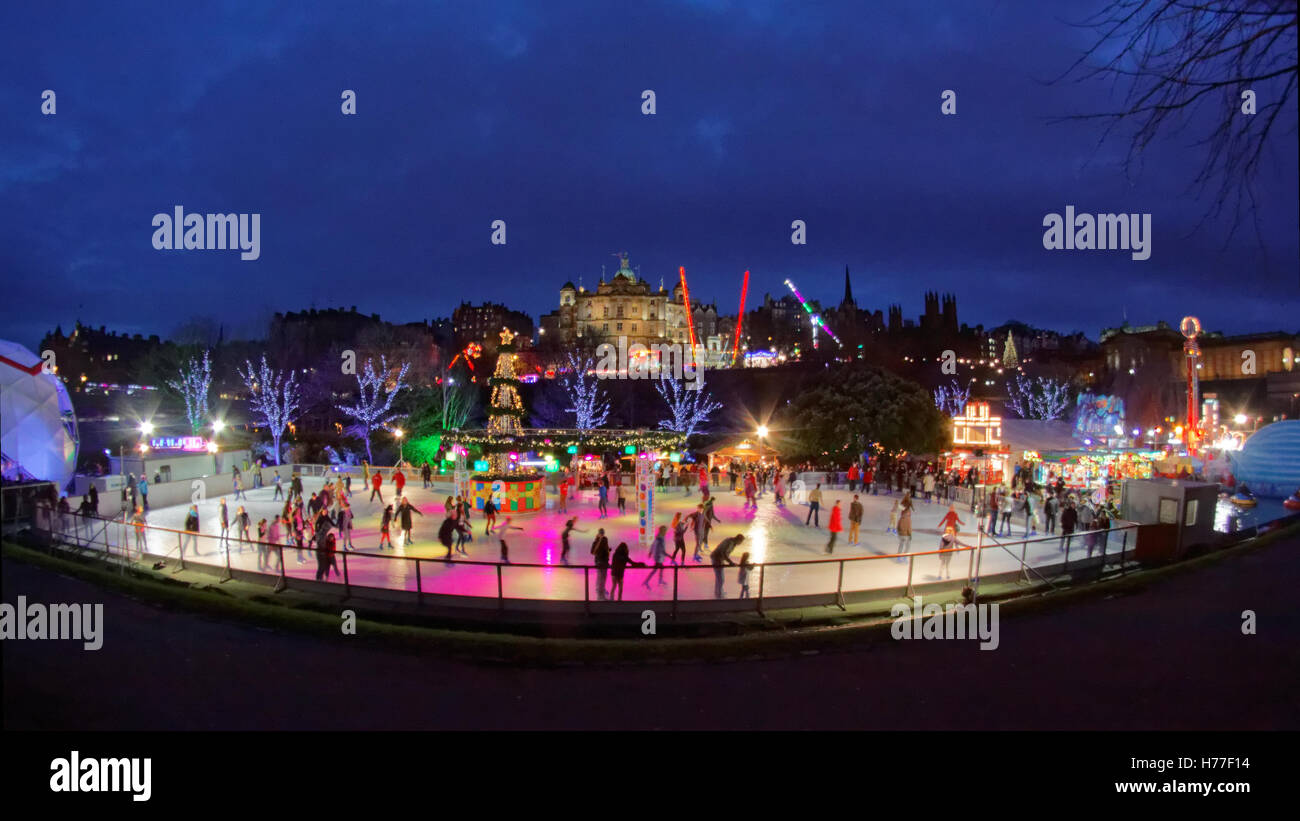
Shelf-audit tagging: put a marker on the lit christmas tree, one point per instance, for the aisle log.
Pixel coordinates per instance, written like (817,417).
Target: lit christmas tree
(1009,357)
(505,408)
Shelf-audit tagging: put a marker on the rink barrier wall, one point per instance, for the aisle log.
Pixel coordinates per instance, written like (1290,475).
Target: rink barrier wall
(114,539)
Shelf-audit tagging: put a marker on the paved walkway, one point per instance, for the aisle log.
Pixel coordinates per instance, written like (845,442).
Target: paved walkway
(772,534)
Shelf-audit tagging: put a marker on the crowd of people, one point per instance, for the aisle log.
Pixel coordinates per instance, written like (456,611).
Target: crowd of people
(322,522)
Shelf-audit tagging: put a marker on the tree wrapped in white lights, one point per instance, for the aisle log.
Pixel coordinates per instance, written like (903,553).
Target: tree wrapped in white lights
(193,385)
(375,392)
(589,406)
(1038,398)
(688,408)
(952,399)
(274,396)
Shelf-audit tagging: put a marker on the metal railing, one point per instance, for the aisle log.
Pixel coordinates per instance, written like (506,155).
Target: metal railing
(474,582)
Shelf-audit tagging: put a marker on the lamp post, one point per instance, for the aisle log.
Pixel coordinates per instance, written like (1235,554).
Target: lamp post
(401,453)
(446,380)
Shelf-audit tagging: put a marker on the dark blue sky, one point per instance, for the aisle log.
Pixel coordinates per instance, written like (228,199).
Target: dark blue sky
(530,112)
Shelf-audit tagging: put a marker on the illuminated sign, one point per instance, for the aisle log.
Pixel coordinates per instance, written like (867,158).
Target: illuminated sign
(481,465)
(191,443)
(976,427)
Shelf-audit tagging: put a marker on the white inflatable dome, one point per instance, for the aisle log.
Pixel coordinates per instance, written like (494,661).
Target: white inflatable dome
(38,429)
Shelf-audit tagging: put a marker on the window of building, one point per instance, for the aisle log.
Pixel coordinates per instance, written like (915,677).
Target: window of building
(620,326)
(620,310)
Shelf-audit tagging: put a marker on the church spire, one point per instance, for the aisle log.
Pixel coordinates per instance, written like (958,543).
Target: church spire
(848,289)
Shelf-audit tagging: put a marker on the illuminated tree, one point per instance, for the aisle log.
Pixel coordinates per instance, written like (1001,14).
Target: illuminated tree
(689,408)
(375,392)
(952,399)
(274,396)
(1038,398)
(588,404)
(193,386)
(505,408)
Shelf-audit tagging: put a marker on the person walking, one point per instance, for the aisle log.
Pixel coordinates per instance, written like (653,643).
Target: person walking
(904,531)
(994,498)
(137,521)
(927,485)
(619,500)
(274,537)
(602,491)
(489,516)
(778,490)
(295,486)
(386,522)
(191,530)
(1069,519)
(344,520)
(399,481)
(239,488)
(223,517)
(679,538)
(261,545)
(618,566)
(505,548)
(445,531)
(814,506)
(658,552)
(279,488)
(563,505)
(1050,508)
(426,474)
(893,518)
(720,555)
(700,524)
(463,534)
(951,519)
(376,482)
(855,519)
(242,521)
(834,526)
(144,493)
(743,575)
(564,538)
(947,545)
(600,549)
(406,511)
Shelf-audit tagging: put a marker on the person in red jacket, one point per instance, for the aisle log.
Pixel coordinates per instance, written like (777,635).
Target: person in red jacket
(375,482)
(399,481)
(836,525)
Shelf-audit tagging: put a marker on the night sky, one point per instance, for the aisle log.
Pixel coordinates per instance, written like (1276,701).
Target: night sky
(531,112)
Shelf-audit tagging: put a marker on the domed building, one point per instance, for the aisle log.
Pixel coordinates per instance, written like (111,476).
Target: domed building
(625,305)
